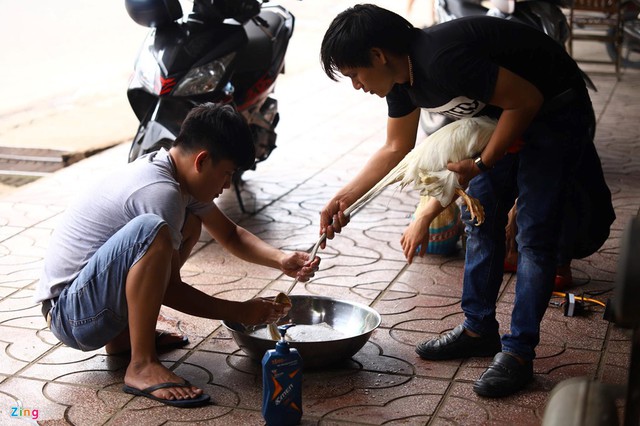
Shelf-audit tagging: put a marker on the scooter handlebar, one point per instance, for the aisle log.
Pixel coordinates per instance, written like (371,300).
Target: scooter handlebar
(240,10)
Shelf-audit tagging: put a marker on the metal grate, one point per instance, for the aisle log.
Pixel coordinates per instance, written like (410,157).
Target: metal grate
(19,166)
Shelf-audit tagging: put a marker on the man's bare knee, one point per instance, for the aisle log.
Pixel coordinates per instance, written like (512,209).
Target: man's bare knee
(190,235)
(160,246)
(155,262)
(163,239)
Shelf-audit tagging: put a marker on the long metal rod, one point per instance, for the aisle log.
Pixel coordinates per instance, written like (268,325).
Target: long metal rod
(368,196)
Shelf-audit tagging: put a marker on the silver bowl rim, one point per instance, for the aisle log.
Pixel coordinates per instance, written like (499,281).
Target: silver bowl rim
(362,306)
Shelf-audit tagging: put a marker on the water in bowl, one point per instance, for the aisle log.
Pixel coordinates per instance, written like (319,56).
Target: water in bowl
(321,332)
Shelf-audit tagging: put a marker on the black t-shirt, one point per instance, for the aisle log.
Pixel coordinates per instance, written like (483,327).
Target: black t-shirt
(455,66)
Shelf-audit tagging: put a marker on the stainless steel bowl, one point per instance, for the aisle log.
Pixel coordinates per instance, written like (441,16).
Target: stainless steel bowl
(354,320)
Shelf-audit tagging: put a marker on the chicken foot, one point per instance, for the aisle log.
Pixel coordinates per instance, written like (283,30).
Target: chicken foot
(475,208)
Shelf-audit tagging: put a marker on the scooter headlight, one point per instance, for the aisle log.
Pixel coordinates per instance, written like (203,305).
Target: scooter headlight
(147,73)
(205,78)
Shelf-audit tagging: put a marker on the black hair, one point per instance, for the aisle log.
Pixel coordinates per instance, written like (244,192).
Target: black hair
(221,131)
(355,31)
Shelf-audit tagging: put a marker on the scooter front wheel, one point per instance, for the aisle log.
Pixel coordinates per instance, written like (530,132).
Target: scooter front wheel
(136,150)
(151,136)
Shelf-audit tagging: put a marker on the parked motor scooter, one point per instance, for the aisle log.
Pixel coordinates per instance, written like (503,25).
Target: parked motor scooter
(545,15)
(225,51)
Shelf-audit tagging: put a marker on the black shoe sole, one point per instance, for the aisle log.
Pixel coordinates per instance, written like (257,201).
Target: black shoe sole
(499,392)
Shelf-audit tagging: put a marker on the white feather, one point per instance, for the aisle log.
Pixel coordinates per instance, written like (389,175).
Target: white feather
(426,165)
(457,141)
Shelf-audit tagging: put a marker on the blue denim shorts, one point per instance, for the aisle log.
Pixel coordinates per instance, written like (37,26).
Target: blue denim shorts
(92,310)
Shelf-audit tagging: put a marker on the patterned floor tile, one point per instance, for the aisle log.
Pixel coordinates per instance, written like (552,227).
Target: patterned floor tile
(386,381)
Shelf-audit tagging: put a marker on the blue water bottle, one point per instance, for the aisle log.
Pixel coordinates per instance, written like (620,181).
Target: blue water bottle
(282,383)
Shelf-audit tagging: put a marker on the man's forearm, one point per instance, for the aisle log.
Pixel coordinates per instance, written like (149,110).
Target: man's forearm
(248,247)
(432,209)
(189,300)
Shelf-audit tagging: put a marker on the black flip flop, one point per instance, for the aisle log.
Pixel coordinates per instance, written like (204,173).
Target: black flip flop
(181,403)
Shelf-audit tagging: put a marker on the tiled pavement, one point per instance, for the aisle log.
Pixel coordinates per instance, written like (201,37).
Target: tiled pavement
(326,133)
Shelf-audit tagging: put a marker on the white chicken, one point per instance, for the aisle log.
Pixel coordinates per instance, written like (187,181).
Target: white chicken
(426,165)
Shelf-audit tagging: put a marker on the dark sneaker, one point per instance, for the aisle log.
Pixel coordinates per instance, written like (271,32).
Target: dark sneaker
(505,376)
(456,344)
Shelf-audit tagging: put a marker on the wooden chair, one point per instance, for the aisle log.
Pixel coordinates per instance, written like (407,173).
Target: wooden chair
(600,21)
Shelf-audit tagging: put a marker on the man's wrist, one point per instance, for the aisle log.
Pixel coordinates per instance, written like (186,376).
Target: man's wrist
(483,167)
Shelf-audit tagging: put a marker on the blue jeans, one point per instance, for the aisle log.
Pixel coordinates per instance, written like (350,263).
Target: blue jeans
(92,310)
(536,176)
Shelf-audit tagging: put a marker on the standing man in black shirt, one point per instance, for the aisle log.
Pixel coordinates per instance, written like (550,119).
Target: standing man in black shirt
(469,67)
